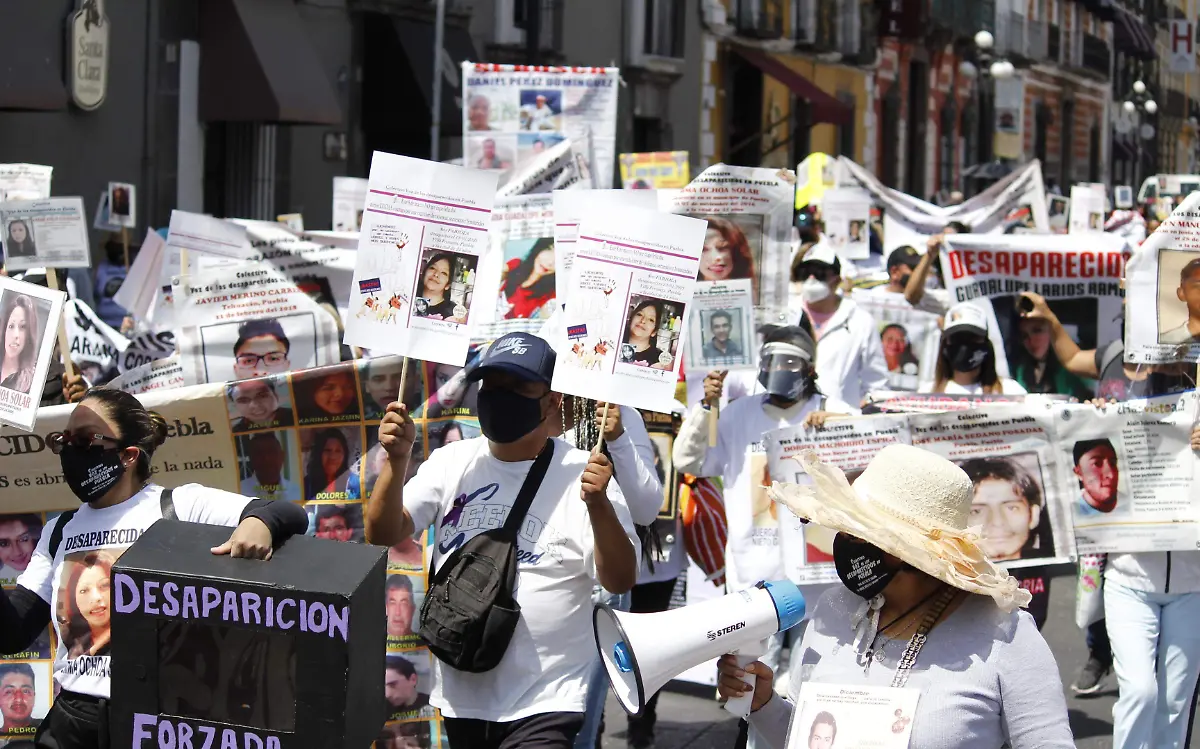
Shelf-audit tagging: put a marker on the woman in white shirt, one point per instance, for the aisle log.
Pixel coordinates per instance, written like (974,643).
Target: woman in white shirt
(105,452)
(966,363)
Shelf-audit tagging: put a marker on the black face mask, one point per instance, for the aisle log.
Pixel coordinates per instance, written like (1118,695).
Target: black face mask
(905,279)
(861,566)
(505,416)
(966,357)
(91,472)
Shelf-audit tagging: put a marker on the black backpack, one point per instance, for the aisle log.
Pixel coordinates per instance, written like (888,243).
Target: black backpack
(469,614)
(164,501)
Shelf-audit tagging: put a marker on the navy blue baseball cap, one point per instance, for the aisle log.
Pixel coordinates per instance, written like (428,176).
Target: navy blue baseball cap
(522,355)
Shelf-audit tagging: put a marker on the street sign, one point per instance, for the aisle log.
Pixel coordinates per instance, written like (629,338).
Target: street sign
(1182,57)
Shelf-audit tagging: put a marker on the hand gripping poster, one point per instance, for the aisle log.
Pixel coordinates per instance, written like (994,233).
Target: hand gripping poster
(512,114)
(424,231)
(749,233)
(635,272)
(517,279)
(1010,456)
(848,444)
(1129,474)
(1164,276)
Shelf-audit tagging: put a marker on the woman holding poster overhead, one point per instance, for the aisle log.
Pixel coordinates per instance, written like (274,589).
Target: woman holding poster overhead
(19,335)
(966,363)
(106,451)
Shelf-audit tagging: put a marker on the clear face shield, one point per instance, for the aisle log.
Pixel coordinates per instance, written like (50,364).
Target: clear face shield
(784,370)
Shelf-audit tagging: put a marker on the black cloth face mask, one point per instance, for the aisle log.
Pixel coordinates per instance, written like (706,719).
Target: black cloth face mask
(966,357)
(91,472)
(505,416)
(861,567)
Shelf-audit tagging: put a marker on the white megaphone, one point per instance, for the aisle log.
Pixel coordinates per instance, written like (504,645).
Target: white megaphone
(642,652)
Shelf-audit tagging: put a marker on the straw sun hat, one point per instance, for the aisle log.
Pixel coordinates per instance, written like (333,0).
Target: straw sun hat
(913,505)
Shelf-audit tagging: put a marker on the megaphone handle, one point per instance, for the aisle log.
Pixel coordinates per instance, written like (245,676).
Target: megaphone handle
(740,706)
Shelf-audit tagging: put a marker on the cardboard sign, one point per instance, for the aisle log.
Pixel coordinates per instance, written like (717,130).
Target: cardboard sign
(51,233)
(29,316)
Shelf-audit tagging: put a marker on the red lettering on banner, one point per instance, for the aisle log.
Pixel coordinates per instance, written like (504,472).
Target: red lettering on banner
(1002,263)
(1020,263)
(1086,268)
(956,265)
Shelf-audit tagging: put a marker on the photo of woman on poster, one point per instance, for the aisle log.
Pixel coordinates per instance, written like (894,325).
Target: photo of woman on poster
(529,281)
(327,468)
(649,324)
(897,349)
(19,333)
(727,254)
(439,276)
(326,395)
(19,242)
(85,599)
(449,392)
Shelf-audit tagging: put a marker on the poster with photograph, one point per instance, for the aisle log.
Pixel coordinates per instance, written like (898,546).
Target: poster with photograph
(846,213)
(327,455)
(853,716)
(24,182)
(250,321)
(50,233)
(1087,210)
(1129,470)
(413,734)
(514,114)
(1058,208)
(408,681)
(659,170)
(518,276)
(404,594)
(26,691)
(848,444)
(424,232)
(910,337)
(349,201)
(633,281)
(721,334)
(101,220)
(322,270)
(29,316)
(662,427)
(749,234)
(19,535)
(1011,458)
(1123,197)
(569,206)
(269,466)
(1164,276)
(1078,274)
(563,166)
(122,204)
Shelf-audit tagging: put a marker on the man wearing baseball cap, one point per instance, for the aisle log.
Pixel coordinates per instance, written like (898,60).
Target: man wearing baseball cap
(578,529)
(900,266)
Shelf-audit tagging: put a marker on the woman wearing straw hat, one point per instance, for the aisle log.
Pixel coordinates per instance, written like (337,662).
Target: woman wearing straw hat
(922,609)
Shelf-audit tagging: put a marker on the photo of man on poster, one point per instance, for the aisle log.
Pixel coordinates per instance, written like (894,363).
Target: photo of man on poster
(1189,294)
(1097,468)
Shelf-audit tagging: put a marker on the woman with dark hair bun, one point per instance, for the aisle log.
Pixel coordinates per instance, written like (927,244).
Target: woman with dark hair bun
(106,451)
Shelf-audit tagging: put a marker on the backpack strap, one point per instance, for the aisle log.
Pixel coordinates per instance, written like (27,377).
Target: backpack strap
(57,534)
(529,490)
(1112,352)
(168,506)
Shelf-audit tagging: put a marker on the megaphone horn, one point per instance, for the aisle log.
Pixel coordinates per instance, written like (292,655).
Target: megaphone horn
(642,652)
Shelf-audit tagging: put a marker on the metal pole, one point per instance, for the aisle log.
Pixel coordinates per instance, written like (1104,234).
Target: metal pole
(439,35)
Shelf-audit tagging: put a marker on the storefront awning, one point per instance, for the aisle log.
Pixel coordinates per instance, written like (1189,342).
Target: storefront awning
(1132,37)
(258,65)
(824,107)
(1105,10)
(416,39)
(31,69)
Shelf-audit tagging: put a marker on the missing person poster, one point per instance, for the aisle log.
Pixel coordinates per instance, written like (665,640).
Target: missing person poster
(634,277)
(96,348)
(659,170)
(122,204)
(1078,274)
(721,331)
(322,270)
(513,114)
(24,182)
(1164,276)
(848,444)
(1087,210)
(846,213)
(1011,458)
(29,316)
(160,374)
(569,206)
(518,278)
(143,280)
(853,715)
(910,337)
(1130,473)
(749,234)
(50,233)
(249,321)
(423,235)
(349,199)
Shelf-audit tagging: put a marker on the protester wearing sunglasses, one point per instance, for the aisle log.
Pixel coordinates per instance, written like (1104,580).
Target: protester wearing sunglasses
(106,452)
(966,363)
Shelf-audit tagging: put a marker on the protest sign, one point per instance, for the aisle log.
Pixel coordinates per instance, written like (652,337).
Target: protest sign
(855,715)
(424,231)
(518,277)
(122,204)
(846,213)
(910,337)
(1010,456)
(634,277)
(95,347)
(848,444)
(24,182)
(816,174)
(101,219)
(160,374)
(50,233)
(1129,470)
(749,235)
(654,171)
(293,221)
(561,167)
(206,238)
(349,199)
(324,271)
(721,332)
(1058,208)
(29,317)
(569,205)
(1164,276)
(143,280)
(514,113)
(1078,274)
(1123,197)
(249,321)
(146,347)
(883,401)
(1087,210)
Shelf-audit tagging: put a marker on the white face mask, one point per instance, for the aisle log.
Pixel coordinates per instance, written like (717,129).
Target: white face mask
(813,290)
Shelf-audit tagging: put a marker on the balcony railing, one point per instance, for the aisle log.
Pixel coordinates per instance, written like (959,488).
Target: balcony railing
(1097,56)
(762,19)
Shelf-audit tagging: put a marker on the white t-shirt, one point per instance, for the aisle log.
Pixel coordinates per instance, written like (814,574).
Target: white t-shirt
(465,491)
(1008,387)
(91,542)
